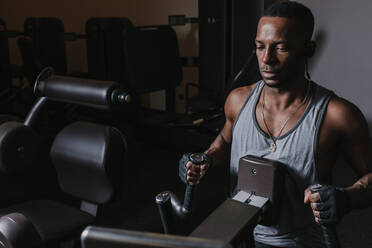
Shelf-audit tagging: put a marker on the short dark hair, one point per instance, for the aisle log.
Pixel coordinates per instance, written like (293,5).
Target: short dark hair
(293,10)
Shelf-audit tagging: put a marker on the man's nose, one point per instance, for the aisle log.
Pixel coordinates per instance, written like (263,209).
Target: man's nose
(268,56)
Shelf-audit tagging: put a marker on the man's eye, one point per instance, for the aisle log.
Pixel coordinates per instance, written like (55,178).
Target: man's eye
(260,47)
(282,49)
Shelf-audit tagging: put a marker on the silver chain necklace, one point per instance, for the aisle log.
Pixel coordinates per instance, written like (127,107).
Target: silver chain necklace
(273,139)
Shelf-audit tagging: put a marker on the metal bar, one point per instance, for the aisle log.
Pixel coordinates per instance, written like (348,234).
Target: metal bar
(229,220)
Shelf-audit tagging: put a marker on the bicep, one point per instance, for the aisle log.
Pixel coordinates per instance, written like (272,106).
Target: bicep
(355,145)
(233,105)
(224,139)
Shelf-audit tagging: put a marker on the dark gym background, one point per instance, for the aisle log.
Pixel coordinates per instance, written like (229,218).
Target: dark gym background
(152,169)
(75,13)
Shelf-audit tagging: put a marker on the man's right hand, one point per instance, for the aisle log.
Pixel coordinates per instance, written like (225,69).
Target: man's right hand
(195,173)
(189,172)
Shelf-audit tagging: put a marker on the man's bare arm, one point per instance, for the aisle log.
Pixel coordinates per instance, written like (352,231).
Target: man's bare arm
(356,148)
(219,150)
(344,131)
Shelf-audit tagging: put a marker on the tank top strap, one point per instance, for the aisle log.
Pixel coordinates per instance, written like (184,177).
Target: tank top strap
(252,96)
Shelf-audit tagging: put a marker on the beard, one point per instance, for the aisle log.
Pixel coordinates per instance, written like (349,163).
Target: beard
(281,79)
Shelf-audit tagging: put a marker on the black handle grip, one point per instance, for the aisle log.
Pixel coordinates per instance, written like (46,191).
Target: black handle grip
(330,236)
(187,202)
(163,200)
(197,159)
(329,231)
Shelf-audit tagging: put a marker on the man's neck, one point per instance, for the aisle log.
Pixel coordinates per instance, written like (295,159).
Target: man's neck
(287,95)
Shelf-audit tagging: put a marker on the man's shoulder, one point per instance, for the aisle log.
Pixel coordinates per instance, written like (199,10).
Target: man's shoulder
(343,114)
(236,100)
(339,106)
(242,93)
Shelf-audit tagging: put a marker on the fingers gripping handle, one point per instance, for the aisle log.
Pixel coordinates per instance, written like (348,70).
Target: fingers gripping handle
(197,159)
(329,231)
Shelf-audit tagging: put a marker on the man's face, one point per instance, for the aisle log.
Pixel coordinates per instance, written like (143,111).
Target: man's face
(280,50)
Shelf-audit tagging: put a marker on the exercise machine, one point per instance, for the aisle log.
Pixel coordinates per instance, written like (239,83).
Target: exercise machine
(255,200)
(88,158)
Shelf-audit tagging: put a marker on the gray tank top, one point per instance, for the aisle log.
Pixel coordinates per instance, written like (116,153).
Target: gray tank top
(296,149)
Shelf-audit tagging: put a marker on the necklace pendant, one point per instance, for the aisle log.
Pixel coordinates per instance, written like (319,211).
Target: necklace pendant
(273,146)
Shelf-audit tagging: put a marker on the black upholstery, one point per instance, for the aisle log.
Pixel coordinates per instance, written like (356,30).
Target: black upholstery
(93,93)
(89,160)
(51,219)
(153,64)
(19,148)
(16,230)
(87,157)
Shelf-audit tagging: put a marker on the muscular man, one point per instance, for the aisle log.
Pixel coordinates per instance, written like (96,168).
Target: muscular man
(288,118)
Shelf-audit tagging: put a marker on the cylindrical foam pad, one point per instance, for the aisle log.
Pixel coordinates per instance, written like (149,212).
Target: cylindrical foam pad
(88,92)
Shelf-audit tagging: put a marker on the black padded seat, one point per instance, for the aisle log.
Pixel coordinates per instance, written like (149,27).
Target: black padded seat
(52,219)
(89,160)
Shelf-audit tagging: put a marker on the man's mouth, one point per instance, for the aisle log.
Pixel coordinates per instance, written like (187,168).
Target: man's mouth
(268,74)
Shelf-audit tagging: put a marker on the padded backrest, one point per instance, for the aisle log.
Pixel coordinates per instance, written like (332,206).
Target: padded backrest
(31,63)
(89,160)
(5,79)
(105,47)
(48,43)
(4,48)
(152,58)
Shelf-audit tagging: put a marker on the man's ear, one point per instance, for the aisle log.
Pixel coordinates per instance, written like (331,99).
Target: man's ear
(309,49)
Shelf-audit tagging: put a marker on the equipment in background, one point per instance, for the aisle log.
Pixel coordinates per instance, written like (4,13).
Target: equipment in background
(5,74)
(7,71)
(104,43)
(152,61)
(226,34)
(244,75)
(44,44)
(153,64)
(88,158)
(11,75)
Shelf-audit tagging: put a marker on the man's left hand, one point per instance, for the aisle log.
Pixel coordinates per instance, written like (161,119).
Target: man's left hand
(329,205)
